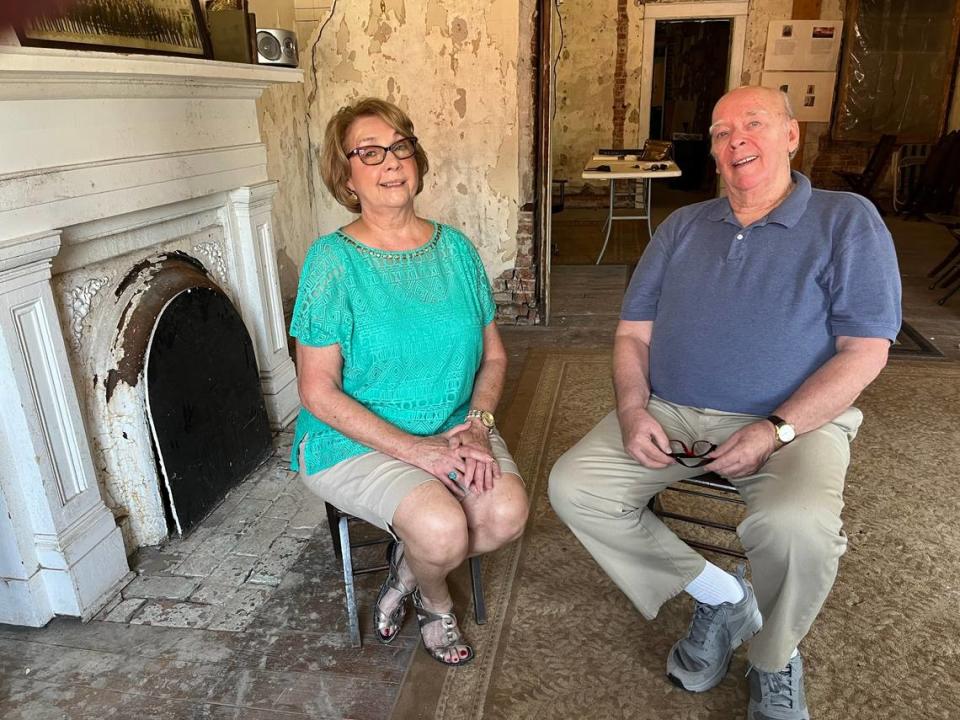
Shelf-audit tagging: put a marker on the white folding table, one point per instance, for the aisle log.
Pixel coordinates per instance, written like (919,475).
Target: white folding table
(627,170)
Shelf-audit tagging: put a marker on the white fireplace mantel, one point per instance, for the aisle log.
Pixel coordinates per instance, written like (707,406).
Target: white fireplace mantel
(106,159)
(101,68)
(94,135)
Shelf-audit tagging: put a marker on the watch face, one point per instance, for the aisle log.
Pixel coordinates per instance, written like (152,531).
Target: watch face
(486,417)
(786,433)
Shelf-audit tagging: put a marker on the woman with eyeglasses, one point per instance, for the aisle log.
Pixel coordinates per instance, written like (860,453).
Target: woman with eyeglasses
(400,368)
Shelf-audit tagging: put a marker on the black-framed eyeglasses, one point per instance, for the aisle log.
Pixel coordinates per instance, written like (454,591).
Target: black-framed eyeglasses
(376,154)
(693,456)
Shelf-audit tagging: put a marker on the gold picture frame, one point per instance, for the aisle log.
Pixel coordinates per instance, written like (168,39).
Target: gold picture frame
(160,27)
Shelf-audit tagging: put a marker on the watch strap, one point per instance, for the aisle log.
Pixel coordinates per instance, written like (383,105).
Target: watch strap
(485,417)
(778,423)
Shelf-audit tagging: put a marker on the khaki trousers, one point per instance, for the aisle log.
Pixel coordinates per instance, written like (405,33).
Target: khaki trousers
(792,533)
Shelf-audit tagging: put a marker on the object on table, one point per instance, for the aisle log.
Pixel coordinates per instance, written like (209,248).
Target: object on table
(656,150)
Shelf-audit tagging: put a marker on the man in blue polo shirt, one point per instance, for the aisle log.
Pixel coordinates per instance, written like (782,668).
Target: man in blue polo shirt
(750,326)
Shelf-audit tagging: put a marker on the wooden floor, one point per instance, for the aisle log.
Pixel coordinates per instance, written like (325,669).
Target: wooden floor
(293,660)
(578,232)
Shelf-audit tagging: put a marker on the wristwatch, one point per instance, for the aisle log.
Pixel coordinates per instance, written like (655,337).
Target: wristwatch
(785,431)
(485,417)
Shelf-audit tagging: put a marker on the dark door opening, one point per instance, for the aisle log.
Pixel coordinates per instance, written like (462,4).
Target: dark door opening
(691,61)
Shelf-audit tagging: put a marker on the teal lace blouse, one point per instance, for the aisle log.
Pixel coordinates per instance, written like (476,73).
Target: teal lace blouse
(410,328)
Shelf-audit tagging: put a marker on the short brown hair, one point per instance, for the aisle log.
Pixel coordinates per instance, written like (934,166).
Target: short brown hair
(334,163)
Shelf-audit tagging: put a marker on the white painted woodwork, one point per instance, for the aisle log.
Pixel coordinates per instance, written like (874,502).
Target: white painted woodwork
(253,255)
(70,557)
(107,160)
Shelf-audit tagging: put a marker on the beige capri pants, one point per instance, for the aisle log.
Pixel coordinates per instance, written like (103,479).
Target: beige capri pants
(792,533)
(372,486)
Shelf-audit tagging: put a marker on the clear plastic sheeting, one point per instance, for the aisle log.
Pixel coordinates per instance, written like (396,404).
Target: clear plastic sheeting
(897,70)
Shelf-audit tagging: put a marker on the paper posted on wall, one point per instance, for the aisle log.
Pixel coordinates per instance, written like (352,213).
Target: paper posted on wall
(810,93)
(803,45)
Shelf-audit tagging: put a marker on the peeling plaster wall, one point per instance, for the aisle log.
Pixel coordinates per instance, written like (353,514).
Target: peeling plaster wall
(283,128)
(584,84)
(453,67)
(282,111)
(526,97)
(758,20)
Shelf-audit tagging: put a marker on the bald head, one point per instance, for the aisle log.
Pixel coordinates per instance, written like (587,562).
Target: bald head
(768,96)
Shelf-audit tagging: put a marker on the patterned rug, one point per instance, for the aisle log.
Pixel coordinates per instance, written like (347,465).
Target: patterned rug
(561,641)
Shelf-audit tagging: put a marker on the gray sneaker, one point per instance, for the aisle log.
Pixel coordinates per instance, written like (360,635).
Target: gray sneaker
(699,661)
(778,695)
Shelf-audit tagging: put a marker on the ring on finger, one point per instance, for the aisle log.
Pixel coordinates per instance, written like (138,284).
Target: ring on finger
(452,475)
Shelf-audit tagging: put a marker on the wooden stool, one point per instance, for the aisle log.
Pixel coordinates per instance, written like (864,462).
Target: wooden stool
(339,522)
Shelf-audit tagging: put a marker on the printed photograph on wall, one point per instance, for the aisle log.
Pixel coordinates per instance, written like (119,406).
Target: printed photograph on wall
(167,27)
(803,45)
(810,93)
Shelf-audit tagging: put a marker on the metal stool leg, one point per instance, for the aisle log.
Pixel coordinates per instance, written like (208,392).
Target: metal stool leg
(343,548)
(476,584)
(353,623)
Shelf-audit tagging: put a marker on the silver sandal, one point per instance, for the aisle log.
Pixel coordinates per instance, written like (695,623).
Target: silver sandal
(383,622)
(454,638)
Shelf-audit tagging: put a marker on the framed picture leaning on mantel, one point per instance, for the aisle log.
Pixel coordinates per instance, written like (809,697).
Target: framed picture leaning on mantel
(160,27)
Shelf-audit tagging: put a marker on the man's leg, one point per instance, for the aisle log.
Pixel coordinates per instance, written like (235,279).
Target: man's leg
(792,534)
(601,493)
(699,661)
(793,538)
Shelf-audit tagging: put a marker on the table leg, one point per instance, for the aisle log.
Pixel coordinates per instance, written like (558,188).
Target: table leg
(608,225)
(649,184)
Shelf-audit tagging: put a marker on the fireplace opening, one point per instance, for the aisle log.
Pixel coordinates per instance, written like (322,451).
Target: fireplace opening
(205,406)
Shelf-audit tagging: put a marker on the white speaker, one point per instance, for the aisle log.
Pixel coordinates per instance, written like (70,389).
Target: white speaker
(276,47)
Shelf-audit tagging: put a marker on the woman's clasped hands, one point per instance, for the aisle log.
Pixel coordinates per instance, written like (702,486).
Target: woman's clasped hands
(461,458)
(481,474)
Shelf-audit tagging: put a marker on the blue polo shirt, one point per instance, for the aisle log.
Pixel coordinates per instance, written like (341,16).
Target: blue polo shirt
(743,315)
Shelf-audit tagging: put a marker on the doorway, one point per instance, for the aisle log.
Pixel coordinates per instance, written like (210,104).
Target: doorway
(690,65)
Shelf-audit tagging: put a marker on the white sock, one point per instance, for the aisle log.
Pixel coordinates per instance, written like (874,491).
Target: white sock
(796,651)
(715,586)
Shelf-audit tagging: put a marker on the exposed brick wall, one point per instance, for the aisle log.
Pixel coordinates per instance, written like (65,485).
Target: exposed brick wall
(620,75)
(515,291)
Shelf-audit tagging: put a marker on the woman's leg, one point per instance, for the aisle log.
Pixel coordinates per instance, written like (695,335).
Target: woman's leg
(498,516)
(433,528)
